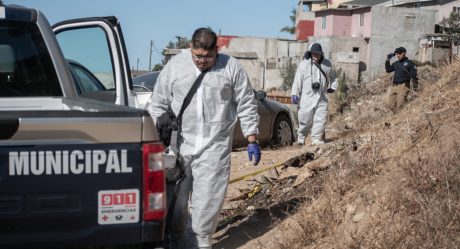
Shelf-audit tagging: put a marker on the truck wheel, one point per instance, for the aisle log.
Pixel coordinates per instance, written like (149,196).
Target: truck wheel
(282,131)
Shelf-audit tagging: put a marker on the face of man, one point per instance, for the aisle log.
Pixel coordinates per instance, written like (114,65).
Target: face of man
(401,55)
(204,59)
(315,57)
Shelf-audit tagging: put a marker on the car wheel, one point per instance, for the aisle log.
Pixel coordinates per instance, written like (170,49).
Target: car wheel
(282,131)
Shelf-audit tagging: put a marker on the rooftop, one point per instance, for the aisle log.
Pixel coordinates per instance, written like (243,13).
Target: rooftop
(364,2)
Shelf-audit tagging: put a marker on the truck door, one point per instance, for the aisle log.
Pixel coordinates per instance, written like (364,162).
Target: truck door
(96,54)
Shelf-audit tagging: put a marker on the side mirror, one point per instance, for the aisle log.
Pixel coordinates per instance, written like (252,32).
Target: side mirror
(261,94)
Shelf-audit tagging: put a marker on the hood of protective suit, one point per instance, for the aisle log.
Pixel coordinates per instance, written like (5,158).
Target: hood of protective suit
(314,48)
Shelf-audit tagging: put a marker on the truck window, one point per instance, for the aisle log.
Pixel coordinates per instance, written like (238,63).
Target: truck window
(89,47)
(26,68)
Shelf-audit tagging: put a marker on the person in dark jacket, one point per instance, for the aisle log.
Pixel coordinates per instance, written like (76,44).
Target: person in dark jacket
(405,72)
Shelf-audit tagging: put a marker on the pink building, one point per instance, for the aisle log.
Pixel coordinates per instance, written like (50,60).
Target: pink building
(361,20)
(350,22)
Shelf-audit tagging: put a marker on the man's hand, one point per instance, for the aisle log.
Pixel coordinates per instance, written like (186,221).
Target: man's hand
(254,149)
(295,99)
(390,55)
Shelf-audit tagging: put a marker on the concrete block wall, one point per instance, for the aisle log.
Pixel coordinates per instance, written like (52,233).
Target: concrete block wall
(432,54)
(348,63)
(253,68)
(267,49)
(336,48)
(245,44)
(272,79)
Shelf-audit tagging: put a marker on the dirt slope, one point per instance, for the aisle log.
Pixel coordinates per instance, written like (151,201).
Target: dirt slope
(384,180)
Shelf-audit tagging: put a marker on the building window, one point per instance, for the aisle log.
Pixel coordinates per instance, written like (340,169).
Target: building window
(306,7)
(355,49)
(323,22)
(456,10)
(417,5)
(361,19)
(409,19)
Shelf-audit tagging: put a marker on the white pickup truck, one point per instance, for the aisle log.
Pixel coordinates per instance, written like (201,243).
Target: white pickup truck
(79,167)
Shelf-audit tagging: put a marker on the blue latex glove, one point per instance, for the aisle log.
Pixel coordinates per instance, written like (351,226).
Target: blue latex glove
(254,149)
(295,99)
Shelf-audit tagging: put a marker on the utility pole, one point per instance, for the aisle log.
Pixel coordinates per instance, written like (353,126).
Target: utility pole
(137,65)
(150,58)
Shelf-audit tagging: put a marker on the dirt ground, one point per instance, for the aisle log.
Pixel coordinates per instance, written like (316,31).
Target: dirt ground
(382,180)
(249,218)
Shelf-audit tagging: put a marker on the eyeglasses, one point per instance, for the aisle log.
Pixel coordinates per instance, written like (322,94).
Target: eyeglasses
(203,58)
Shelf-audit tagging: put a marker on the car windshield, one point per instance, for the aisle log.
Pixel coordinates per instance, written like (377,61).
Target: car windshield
(86,81)
(147,80)
(26,68)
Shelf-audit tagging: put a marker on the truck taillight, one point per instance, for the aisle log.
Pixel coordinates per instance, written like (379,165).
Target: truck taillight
(154,194)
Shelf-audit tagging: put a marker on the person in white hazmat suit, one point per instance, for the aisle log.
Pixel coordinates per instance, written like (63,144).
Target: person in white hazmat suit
(314,78)
(225,95)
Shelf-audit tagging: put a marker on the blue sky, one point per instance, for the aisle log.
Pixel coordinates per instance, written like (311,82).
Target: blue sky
(161,21)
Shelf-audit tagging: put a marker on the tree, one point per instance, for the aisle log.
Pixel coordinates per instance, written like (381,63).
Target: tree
(158,67)
(181,43)
(290,29)
(451,27)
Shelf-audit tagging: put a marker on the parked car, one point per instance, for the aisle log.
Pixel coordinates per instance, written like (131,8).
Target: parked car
(143,86)
(145,81)
(85,80)
(275,119)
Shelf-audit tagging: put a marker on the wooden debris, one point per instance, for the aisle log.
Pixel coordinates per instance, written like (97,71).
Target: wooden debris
(300,160)
(319,164)
(306,173)
(289,172)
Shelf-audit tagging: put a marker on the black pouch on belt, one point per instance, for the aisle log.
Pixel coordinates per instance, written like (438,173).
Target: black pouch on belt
(166,124)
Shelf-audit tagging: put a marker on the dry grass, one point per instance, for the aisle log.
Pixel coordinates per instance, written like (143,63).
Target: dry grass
(401,187)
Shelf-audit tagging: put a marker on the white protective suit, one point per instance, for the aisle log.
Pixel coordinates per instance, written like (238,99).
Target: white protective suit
(312,112)
(224,95)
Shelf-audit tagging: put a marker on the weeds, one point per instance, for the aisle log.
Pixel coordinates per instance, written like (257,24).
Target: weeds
(406,177)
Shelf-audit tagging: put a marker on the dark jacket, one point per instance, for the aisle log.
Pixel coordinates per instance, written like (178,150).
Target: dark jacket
(405,70)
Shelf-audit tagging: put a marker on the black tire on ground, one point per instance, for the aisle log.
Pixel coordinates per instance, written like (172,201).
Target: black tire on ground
(282,131)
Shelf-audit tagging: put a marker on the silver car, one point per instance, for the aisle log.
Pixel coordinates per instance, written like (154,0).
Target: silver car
(275,127)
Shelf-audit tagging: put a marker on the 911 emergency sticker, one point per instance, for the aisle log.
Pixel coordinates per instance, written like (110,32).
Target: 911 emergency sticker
(118,206)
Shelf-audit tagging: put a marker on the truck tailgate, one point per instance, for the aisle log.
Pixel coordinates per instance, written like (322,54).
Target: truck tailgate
(65,176)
